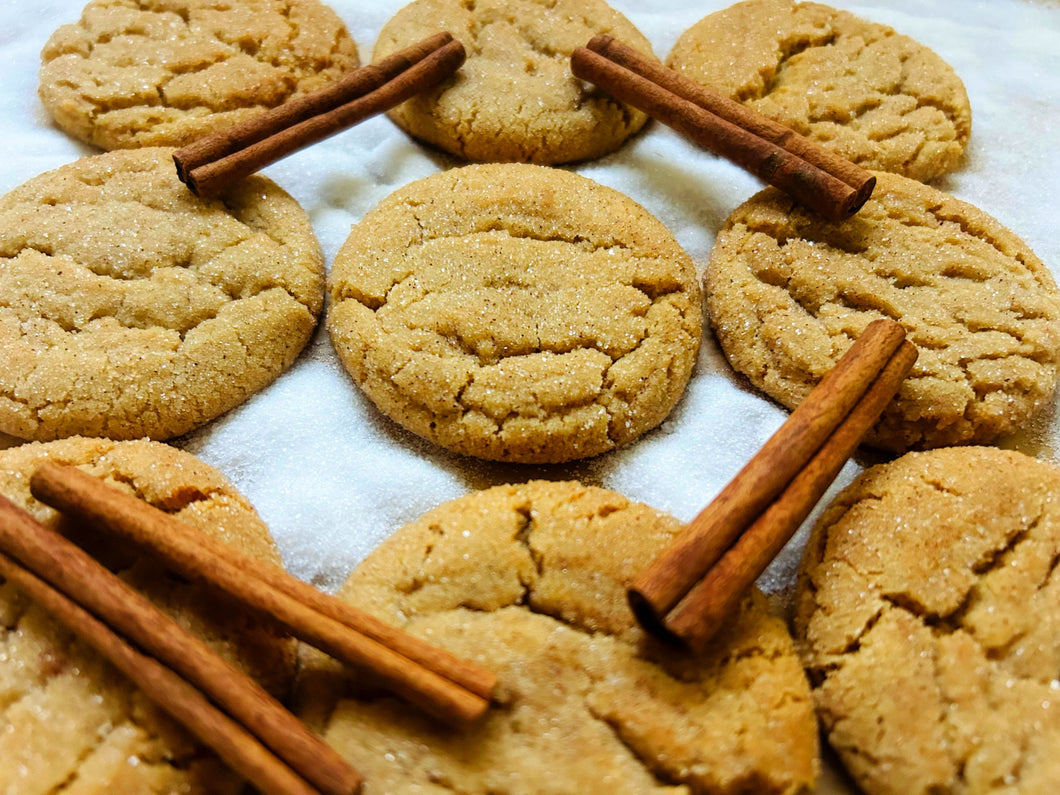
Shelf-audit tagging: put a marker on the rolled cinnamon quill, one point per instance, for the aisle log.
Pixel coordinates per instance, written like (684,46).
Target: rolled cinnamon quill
(686,594)
(828,184)
(214,162)
(220,705)
(444,685)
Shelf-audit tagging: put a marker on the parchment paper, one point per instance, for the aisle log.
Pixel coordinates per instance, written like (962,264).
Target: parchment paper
(332,477)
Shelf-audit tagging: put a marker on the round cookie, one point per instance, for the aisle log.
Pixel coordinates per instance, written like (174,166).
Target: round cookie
(515,98)
(71,721)
(131,74)
(788,293)
(876,97)
(130,308)
(929,608)
(516,313)
(529,581)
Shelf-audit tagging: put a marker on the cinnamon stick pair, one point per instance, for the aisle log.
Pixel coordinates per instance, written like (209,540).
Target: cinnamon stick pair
(687,593)
(828,184)
(218,704)
(221,706)
(214,162)
(425,675)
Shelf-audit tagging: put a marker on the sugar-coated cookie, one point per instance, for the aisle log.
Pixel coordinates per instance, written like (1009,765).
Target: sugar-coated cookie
(516,313)
(515,99)
(788,293)
(130,308)
(929,611)
(874,96)
(133,73)
(529,582)
(73,723)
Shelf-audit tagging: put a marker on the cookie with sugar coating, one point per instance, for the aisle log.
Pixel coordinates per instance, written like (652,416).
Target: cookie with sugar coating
(131,74)
(516,313)
(131,308)
(788,293)
(515,98)
(529,581)
(874,96)
(72,721)
(928,612)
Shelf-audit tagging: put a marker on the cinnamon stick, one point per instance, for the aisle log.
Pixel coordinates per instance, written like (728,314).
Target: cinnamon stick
(440,683)
(828,423)
(258,737)
(216,161)
(828,184)
(703,610)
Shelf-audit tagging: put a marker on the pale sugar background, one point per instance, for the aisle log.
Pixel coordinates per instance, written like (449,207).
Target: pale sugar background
(333,478)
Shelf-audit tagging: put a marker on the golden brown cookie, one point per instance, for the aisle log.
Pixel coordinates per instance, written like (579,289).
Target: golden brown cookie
(516,313)
(788,293)
(529,581)
(133,73)
(929,607)
(130,308)
(515,99)
(876,97)
(69,720)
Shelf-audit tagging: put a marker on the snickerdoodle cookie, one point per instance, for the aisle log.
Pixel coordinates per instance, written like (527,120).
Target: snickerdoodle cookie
(529,582)
(929,608)
(876,97)
(131,308)
(135,73)
(516,313)
(788,293)
(71,722)
(515,99)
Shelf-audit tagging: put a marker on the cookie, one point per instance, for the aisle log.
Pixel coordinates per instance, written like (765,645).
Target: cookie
(874,96)
(529,581)
(130,308)
(132,74)
(69,720)
(929,608)
(515,99)
(788,293)
(516,313)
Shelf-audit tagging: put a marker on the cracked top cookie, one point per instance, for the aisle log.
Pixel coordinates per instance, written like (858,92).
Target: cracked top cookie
(929,607)
(788,293)
(131,308)
(529,581)
(136,73)
(515,99)
(876,97)
(516,313)
(71,722)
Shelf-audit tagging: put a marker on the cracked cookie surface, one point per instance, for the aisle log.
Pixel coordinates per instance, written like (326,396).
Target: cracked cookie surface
(134,73)
(515,98)
(529,582)
(874,96)
(69,722)
(788,293)
(516,313)
(130,308)
(929,608)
